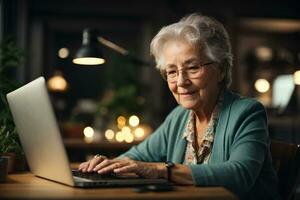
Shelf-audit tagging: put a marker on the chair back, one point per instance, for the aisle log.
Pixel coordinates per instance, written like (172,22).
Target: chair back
(286,161)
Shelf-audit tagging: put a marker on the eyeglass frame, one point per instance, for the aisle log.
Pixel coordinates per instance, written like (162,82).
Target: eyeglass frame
(201,66)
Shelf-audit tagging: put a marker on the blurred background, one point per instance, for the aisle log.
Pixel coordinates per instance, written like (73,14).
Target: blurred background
(107,108)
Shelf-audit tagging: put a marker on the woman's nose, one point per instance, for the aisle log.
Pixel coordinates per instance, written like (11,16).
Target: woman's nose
(182,79)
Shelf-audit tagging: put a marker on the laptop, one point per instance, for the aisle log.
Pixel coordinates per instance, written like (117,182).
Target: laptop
(40,137)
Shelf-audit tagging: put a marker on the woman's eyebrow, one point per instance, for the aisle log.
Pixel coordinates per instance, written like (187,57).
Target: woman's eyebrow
(189,61)
(170,66)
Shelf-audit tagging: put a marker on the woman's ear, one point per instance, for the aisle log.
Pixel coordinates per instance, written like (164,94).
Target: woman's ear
(222,72)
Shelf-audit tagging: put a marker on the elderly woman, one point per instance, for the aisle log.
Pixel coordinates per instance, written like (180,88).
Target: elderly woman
(214,137)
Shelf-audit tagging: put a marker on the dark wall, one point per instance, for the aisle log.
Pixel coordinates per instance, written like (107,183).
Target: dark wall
(42,27)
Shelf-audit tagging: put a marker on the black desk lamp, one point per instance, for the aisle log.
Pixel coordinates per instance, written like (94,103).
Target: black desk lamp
(90,52)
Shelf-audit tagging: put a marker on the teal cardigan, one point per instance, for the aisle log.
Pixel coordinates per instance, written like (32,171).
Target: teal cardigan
(240,158)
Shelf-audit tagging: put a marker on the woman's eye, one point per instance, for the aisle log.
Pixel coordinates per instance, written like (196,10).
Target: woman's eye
(193,68)
(171,72)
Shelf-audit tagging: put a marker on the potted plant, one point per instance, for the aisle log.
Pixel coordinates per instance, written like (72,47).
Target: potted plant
(10,58)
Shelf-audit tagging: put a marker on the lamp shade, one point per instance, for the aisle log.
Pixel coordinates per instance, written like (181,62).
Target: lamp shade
(90,52)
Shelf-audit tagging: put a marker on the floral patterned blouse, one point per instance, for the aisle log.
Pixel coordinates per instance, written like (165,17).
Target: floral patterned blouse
(204,151)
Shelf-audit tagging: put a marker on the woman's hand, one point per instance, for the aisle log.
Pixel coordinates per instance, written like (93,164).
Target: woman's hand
(181,174)
(89,165)
(127,165)
(102,165)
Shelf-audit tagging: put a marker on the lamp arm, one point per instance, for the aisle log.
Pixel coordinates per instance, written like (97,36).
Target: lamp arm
(123,51)
(113,46)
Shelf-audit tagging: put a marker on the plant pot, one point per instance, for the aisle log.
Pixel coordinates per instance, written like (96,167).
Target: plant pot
(11,161)
(3,168)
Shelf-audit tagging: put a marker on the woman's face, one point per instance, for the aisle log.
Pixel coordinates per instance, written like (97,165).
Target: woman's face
(191,90)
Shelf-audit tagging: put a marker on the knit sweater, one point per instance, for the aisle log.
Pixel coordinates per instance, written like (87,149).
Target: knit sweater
(240,159)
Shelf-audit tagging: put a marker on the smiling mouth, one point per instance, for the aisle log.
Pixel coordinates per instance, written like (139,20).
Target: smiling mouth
(186,93)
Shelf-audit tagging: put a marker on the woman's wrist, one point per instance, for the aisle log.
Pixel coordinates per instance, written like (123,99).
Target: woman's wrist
(162,170)
(151,170)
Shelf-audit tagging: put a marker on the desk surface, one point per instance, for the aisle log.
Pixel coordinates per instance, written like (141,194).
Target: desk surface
(27,186)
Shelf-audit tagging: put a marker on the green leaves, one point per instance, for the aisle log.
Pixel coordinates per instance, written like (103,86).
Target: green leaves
(124,89)
(9,141)
(10,55)
(10,58)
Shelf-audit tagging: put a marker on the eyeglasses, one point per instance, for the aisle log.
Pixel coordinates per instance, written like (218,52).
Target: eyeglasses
(191,72)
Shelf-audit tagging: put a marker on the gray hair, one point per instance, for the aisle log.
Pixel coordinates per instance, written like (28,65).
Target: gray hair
(197,29)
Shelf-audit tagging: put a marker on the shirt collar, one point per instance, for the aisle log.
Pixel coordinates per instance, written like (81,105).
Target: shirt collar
(189,132)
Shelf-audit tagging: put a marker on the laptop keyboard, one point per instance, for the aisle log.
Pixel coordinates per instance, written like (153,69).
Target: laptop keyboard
(93,175)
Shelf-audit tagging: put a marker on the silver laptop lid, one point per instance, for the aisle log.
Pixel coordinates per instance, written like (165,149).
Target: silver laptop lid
(39,133)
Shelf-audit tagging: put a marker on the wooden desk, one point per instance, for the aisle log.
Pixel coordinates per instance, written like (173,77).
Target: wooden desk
(27,186)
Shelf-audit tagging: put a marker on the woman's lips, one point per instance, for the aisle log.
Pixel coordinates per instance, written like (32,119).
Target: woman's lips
(186,94)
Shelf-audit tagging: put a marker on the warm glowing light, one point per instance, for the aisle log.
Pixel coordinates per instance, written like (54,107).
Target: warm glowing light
(57,83)
(120,136)
(109,134)
(63,52)
(88,61)
(134,121)
(121,121)
(264,53)
(297,77)
(129,137)
(139,132)
(262,85)
(126,130)
(88,132)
